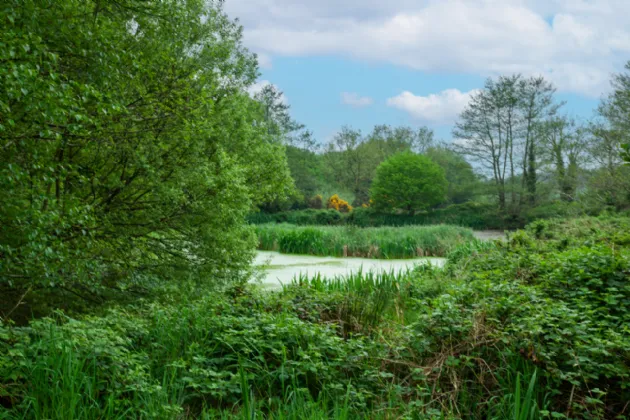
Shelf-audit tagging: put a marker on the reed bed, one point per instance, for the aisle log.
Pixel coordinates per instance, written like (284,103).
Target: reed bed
(349,241)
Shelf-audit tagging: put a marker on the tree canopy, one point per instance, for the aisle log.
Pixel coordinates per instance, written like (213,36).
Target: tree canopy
(128,144)
(410,182)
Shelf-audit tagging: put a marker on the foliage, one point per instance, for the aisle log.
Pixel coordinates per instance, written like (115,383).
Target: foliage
(473,215)
(339,204)
(316,202)
(349,241)
(130,150)
(470,214)
(351,158)
(531,328)
(526,156)
(305,170)
(498,130)
(461,179)
(408,182)
(565,146)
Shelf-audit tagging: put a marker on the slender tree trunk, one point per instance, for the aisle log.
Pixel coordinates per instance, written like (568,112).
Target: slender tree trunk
(525,173)
(571,180)
(502,197)
(531,169)
(563,181)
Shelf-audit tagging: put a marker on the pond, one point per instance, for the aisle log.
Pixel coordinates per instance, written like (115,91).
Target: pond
(280,269)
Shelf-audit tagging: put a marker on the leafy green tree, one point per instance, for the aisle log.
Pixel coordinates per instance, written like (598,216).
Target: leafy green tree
(305,166)
(352,158)
(391,140)
(462,181)
(486,132)
(349,164)
(408,182)
(608,146)
(564,145)
(536,104)
(129,148)
(304,163)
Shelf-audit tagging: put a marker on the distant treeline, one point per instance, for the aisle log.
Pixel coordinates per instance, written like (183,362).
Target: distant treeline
(473,215)
(514,148)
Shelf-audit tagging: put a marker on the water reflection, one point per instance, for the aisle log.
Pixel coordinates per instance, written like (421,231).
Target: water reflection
(280,269)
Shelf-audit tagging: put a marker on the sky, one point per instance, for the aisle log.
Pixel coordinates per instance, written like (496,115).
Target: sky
(415,62)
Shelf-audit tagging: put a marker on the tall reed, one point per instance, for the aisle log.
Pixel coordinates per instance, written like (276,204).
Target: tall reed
(348,241)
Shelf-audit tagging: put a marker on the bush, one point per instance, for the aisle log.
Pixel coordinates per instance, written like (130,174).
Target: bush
(316,202)
(336,203)
(531,328)
(169,361)
(473,215)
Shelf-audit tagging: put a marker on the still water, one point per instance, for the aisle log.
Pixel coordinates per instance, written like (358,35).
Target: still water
(278,269)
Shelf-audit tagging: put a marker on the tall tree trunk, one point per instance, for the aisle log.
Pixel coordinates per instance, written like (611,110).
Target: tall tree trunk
(501,192)
(531,172)
(571,180)
(525,176)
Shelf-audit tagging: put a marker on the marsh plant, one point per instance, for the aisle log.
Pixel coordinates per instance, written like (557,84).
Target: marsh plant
(351,241)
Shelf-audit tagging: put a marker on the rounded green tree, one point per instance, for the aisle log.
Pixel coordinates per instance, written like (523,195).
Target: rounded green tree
(408,182)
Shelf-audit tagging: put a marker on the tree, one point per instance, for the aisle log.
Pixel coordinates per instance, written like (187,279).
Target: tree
(129,148)
(351,164)
(353,158)
(610,183)
(609,146)
(462,181)
(304,163)
(497,128)
(305,167)
(486,129)
(536,104)
(409,182)
(391,140)
(564,145)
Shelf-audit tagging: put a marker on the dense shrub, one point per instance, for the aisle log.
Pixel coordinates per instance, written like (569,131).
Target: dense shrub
(316,202)
(473,215)
(339,204)
(174,361)
(532,328)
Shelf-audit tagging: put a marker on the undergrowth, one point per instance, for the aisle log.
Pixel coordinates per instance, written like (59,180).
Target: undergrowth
(535,327)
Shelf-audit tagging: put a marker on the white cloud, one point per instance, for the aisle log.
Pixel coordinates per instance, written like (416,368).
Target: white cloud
(264,61)
(440,108)
(258,87)
(355,100)
(575,43)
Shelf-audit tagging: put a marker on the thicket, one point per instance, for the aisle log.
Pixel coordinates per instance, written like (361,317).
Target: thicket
(350,241)
(473,215)
(532,328)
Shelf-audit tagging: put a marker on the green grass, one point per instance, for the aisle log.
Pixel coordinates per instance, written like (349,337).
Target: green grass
(348,241)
